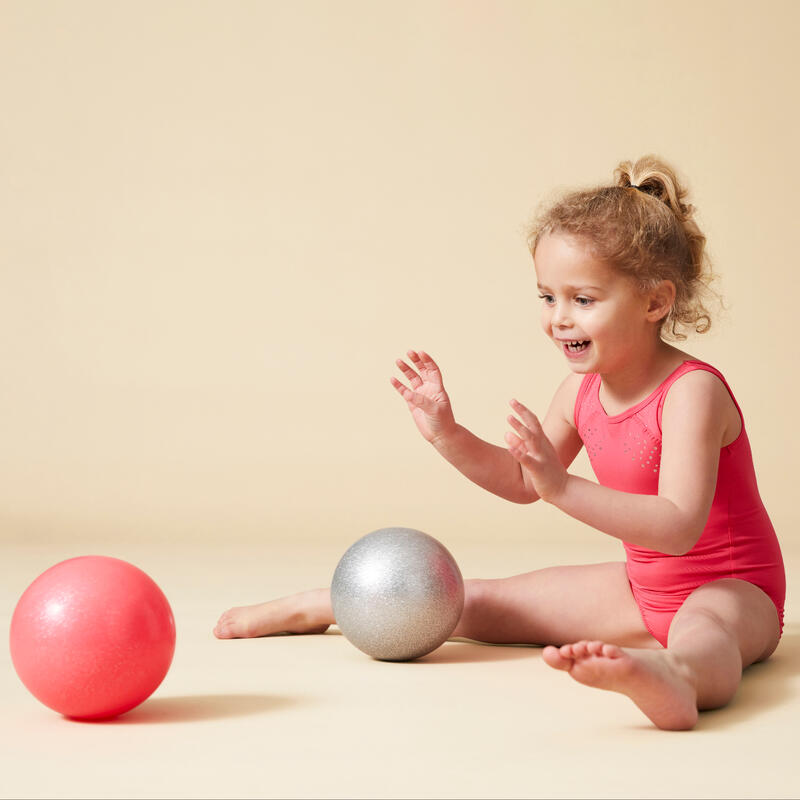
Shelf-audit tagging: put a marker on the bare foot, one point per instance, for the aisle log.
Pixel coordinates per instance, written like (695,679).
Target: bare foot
(659,684)
(301,613)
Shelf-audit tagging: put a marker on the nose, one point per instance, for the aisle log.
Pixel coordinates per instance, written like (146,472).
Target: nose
(559,316)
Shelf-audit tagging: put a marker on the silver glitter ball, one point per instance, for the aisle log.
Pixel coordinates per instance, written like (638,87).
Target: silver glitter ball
(397,594)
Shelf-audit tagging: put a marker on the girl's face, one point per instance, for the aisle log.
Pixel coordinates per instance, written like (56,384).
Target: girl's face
(595,315)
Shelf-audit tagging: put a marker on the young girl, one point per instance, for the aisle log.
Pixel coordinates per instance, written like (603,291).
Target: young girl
(620,269)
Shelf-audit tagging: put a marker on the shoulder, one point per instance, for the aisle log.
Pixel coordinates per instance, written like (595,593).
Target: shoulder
(699,399)
(698,386)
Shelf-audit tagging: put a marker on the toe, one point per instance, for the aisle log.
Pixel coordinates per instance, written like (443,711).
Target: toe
(222,629)
(554,657)
(612,651)
(595,648)
(581,649)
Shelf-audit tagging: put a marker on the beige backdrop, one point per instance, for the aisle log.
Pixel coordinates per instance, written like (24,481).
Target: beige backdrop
(221,222)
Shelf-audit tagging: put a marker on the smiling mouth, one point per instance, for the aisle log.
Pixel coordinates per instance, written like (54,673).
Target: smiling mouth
(576,345)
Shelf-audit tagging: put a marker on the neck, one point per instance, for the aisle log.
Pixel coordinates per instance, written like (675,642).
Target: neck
(641,372)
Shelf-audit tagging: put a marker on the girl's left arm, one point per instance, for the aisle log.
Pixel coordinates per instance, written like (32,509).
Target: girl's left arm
(695,418)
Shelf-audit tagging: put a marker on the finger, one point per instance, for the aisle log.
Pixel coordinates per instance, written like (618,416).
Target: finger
(430,367)
(528,417)
(412,377)
(515,443)
(413,398)
(403,390)
(519,427)
(525,433)
(519,451)
(426,366)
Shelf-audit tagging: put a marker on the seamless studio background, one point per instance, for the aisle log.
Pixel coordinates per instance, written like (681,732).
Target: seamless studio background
(222,222)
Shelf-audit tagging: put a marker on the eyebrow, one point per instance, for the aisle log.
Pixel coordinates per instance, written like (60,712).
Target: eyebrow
(573,288)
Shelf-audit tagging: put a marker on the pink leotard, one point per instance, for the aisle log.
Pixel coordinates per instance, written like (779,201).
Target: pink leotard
(738,540)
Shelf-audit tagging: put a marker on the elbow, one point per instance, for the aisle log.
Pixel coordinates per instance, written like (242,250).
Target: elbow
(682,529)
(685,543)
(525,499)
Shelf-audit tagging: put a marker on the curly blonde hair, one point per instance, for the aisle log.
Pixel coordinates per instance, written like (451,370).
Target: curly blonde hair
(642,226)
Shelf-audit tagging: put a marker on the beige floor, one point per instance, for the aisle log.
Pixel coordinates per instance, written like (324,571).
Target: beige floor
(313,717)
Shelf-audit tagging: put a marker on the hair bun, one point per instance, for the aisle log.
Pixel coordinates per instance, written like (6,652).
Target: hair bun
(652,175)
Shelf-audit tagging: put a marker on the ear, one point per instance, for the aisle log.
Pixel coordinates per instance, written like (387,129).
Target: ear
(660,301)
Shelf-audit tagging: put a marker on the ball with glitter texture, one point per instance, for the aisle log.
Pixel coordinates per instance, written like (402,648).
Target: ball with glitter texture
(397,594)
(92,637)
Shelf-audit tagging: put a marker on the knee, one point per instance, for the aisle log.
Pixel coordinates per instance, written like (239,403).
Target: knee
(687,622)
(706,644)
(705,630)
(709,617)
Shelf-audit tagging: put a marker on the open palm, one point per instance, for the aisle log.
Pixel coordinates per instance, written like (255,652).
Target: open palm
(425,395)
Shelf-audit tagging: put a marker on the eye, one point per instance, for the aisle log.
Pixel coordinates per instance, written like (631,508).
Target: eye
(548,298)
(584,301)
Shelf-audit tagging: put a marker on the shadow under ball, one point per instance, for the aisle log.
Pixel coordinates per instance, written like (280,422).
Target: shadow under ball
(397,594)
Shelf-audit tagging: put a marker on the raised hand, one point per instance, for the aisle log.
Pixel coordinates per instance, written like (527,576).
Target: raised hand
(425,395)
(535,453)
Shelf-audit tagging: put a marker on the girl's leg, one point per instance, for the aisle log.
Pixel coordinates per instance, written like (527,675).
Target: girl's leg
(721,628)
(548,606)
(306,612)
(553,606)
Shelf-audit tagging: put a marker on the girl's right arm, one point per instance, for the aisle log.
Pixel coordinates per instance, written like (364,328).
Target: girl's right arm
(489,466)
